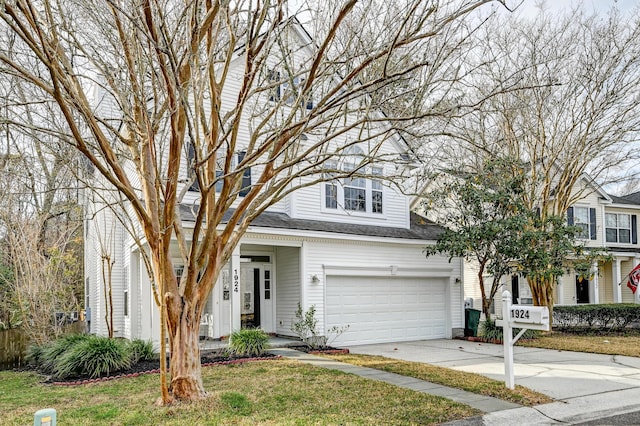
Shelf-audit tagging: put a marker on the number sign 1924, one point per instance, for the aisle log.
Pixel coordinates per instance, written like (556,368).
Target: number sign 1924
(519,313)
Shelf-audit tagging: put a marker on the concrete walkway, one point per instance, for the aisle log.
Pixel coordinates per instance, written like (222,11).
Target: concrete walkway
(481,402)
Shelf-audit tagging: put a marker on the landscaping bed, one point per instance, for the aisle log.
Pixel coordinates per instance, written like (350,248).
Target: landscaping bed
(329,350)
(207,358)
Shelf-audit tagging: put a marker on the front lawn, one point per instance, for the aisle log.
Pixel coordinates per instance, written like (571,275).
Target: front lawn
(448,377)
(609,344)
(262,392)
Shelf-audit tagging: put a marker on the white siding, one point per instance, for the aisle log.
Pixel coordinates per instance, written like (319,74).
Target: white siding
(287,287)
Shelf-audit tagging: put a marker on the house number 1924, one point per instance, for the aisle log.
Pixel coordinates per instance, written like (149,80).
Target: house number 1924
(520,313)
(236,284)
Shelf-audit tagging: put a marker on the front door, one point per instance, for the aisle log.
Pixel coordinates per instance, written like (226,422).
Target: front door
(582,290)
(256,296)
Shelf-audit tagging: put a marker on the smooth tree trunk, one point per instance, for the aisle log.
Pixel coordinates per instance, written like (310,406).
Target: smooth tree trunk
(486,302)
(185,367)
(542,291)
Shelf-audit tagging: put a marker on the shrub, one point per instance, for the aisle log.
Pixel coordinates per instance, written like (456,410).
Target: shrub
(35,354)
(95,356)
(52,352)
(589,318)
(141,350)
(490,331)
(248,342)
(305,328)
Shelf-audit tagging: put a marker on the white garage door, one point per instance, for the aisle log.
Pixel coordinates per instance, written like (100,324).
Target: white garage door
(385,309)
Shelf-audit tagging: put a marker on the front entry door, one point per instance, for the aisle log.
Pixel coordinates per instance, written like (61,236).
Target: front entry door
(256,296)
(582,290)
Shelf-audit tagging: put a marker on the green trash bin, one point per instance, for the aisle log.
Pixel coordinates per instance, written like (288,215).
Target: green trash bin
(471,322)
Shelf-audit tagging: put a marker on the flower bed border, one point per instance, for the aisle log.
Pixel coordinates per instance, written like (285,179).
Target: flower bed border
(157,370)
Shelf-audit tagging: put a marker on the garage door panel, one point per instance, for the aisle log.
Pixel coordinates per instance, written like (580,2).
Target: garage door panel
(385,309)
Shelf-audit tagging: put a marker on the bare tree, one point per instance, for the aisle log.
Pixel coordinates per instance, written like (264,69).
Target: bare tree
(40,222)
(221,89)
(566,102)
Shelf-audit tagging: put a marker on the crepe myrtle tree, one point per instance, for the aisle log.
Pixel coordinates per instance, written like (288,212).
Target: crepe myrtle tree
(161,98)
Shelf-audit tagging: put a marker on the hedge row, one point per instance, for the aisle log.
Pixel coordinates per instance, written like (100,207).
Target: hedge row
(609,317)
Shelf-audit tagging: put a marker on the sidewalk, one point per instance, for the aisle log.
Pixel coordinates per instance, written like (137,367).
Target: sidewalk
(481,402)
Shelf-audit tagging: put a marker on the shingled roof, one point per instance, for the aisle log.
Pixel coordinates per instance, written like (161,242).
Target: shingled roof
(420,227)
(633,199)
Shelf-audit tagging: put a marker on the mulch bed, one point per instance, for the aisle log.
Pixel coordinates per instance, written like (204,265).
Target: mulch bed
(321,350)
(207,358)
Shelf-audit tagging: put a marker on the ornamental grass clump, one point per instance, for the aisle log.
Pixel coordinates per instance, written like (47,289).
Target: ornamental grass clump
(491,332)
(96,356)
(52,353)
(141,350)
(248,342)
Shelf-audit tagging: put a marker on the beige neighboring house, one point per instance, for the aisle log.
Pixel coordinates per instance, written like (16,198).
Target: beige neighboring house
(607,222)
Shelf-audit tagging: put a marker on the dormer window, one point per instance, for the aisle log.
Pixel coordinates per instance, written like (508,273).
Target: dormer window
(354,193)
(245,185)
(287,89)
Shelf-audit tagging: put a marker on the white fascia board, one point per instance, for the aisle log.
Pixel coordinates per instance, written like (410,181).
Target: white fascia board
(596,186)
(623,206)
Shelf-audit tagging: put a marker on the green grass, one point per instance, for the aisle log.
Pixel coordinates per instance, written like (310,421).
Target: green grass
(605,343)
(265,392)
(445,376)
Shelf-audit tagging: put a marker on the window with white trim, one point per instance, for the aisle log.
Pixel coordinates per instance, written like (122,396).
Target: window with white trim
(331,186)
(376,191)
(288,89)
(618,228)
(356,193)
(581,220)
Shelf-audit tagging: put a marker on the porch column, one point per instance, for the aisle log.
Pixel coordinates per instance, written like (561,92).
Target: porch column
(596,284)
(236,323)
(617,288)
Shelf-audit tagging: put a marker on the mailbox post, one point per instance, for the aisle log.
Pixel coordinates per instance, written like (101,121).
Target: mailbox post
(523,317)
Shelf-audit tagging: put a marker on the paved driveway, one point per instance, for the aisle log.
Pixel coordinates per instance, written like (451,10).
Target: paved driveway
(559,374)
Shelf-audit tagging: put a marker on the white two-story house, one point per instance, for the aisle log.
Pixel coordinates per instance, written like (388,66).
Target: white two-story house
(349,247)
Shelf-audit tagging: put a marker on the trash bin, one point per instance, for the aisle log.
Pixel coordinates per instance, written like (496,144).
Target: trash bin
(471,322)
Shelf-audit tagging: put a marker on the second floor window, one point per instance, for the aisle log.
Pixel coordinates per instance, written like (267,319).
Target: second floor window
(618,228)
(584,218)
(376,191)
(287,89)
(357,193)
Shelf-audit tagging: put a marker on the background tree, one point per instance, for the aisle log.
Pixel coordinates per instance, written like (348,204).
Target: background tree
(40,226)
(485,214)
(567,106)
(144,89)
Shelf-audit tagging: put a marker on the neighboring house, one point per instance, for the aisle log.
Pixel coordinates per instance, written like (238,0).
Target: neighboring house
(349,247)
(608,222)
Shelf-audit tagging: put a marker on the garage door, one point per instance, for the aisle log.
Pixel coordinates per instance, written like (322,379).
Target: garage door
(385,309)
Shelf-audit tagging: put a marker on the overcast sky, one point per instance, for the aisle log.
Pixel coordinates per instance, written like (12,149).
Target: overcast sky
(531,7)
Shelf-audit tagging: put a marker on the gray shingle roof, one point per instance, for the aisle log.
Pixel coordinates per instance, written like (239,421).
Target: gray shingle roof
(421,228)
(632,199)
